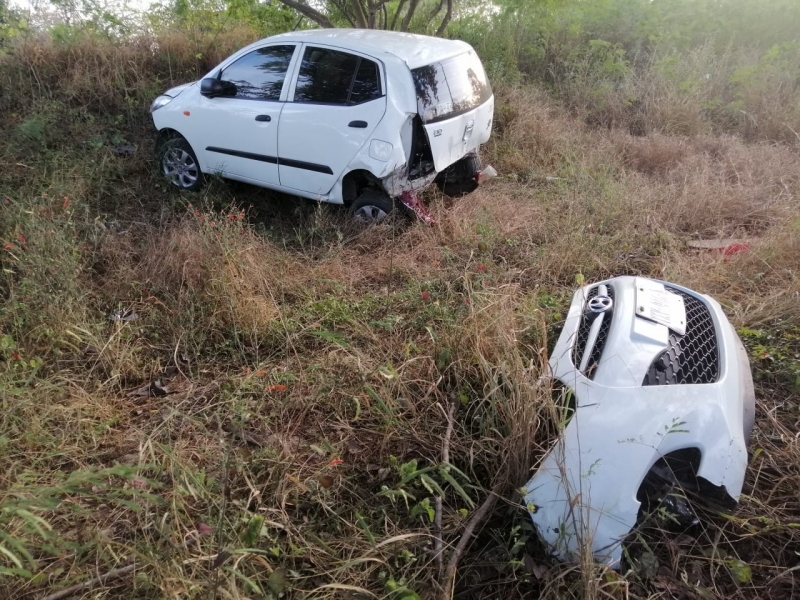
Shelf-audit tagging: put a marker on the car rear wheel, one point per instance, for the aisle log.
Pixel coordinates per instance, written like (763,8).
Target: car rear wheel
(371,207)
(178,163)
(460,178)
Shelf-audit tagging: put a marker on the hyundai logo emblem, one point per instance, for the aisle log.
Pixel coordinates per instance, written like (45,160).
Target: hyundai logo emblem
(600,304)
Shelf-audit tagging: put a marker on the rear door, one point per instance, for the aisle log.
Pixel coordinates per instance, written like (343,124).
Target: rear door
(338,100)
(238,135)
(455,102)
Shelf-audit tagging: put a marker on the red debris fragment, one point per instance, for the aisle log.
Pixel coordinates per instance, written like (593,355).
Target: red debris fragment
(411,201)
(735,248)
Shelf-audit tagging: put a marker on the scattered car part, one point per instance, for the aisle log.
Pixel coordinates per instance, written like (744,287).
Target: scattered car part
(486,174)
(412,202)
(124,150)
(656,373)
(727,246)
(156,388)
(123,314)
(719,243)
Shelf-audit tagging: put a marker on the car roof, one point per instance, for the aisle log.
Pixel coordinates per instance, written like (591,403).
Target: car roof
(415,50)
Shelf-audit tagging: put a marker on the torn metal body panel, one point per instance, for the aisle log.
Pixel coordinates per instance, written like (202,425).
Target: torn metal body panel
(397,183)
(655,369)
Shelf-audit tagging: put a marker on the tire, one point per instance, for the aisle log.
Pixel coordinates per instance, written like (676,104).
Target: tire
(460,178)
(371,207)
(178,163)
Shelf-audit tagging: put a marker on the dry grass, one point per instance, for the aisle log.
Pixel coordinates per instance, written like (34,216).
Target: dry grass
(307,375)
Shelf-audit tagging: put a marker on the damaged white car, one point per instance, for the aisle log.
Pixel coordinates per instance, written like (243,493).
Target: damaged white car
(661,406)
(353,117)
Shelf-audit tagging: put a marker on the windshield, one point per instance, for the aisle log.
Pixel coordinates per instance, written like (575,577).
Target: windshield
(448,88)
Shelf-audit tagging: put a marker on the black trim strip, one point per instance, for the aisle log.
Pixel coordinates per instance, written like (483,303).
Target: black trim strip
(274,160)
(299,164)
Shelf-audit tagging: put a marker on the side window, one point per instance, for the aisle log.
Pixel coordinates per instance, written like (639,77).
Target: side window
(325,76)
(335,77)
(259,74)
(367,85)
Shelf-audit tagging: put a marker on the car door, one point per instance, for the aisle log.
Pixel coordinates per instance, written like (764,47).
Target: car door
(238,134)
(337,101)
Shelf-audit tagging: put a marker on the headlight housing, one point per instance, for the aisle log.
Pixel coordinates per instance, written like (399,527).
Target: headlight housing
(159,102)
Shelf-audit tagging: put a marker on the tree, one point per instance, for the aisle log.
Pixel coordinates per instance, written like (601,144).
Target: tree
(11,23)
(371,14)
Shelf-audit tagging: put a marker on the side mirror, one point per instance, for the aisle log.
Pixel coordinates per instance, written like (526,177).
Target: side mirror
(211,87)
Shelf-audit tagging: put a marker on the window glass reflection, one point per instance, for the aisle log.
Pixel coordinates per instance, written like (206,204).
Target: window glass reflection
(451,87)
(259,75)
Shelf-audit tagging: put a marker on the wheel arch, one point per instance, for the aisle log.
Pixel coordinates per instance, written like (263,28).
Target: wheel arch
(167,133)
(356,182)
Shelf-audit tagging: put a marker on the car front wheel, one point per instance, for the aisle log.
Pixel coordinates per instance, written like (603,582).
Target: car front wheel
(178,163)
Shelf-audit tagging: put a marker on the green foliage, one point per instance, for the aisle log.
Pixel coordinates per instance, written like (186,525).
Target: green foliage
(202,18)
(687,66)
(25,513)
(12,24)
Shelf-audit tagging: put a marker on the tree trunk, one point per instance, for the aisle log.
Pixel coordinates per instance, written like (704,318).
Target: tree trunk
(446,21)
(309,12)
(361,16)
(397,14)
(437,10)
(412,6)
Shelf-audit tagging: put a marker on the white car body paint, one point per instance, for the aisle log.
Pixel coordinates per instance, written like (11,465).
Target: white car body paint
(447,137)
(583,495)
(319,134)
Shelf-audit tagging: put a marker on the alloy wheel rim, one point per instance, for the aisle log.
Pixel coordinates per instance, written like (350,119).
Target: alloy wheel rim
(180,168)
(370,214)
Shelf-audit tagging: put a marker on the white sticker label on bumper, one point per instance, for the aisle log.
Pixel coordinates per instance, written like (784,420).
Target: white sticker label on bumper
(655,303)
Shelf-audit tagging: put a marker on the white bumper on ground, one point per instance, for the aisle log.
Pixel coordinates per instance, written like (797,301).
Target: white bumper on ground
(644,391)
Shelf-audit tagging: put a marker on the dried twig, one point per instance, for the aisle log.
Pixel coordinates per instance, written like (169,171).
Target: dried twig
(452,565)
(106,577)
(224,506)
(437,535)
(793,131)
(437,519)
(87,585)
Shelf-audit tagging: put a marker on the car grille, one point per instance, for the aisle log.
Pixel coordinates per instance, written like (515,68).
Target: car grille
(689,358)
(582,336)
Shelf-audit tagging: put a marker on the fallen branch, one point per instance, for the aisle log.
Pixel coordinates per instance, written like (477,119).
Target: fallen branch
(437,519)
(437,535)
(87,585)
(476,519)
(111,575)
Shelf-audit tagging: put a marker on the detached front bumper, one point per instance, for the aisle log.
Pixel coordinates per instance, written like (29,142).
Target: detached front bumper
(663,370)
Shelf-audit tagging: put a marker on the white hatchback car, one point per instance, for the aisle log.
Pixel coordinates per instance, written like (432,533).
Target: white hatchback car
(353,117)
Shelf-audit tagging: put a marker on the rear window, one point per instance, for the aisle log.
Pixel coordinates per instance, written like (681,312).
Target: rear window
(450,87)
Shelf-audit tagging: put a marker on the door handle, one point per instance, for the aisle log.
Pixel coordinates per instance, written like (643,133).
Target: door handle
(358,124)
(264,118)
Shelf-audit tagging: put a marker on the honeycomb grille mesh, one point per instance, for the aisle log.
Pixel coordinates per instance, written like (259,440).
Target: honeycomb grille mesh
(689,358)
(582,336)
